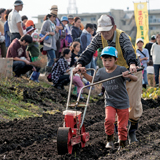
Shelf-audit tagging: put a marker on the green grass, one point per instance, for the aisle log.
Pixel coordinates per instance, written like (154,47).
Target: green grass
(11,99)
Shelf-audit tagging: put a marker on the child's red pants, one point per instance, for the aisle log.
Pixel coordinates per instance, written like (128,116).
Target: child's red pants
(123,116)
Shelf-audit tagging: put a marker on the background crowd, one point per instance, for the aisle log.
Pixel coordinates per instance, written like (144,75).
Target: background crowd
(62,41)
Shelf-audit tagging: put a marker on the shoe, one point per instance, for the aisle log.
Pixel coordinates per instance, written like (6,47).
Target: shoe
(122,144)
(81,97)
(101,94)
(132,137)
(109,144)
(132,127)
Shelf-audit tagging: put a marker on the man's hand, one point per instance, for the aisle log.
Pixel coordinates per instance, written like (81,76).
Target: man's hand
(133,68)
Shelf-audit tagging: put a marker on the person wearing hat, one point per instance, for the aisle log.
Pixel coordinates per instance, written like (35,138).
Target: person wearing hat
(29,23)
(109,35)
(59,26)
(69,24)
(2,38)
(155,53)
(144,59)
(149,45)
(14,21)
(49,45)
(117,100)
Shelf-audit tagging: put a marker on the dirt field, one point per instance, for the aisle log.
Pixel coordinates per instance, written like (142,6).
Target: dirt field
(35,138)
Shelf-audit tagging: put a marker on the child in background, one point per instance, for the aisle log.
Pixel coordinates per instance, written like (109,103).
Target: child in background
(77,79)
(116,97)
(59,78)
(33,51)
(150,73)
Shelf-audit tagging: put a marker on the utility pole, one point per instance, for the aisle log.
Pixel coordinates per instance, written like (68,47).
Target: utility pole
(72,8)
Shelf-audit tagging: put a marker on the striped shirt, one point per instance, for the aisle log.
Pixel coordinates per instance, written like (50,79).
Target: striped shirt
(125,43)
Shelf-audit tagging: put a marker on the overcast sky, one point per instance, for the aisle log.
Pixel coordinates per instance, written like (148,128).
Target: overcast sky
(41,7)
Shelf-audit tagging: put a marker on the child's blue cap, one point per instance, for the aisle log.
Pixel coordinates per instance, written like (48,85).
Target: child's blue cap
(111,51)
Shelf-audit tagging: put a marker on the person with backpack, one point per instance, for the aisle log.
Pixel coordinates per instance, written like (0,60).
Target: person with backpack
(49,45)
(60,71)
(144,59)
(75,30)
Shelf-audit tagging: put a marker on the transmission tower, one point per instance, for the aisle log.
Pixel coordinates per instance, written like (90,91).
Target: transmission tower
(72,8)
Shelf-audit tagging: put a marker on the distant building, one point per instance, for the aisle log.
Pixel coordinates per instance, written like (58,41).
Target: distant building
(123,19)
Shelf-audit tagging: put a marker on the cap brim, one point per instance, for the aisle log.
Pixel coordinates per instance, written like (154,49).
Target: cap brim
(100,29)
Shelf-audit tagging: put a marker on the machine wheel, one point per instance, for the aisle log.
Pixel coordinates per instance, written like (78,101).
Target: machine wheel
(64,136)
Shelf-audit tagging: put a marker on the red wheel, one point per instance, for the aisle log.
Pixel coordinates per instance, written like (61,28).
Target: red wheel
(64,136)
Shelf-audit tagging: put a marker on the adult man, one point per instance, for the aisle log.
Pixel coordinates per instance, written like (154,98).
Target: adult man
(109,35)
(17,51)
(14,21)
(149,45)
(85,40)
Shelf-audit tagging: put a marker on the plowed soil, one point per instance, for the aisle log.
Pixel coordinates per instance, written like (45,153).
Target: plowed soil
(35,138)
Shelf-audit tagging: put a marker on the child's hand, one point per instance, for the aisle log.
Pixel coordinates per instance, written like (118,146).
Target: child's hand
(126,74)
(81,70)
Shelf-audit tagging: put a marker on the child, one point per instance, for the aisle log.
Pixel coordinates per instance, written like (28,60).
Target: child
(144,59)
(33,51)
(150,73)
(116,97)
(77,79)
(59,69)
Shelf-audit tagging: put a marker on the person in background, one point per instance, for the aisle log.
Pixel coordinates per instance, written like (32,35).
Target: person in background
(85,40)
(50,44)
(59,25)
(29,23)
(155,53)
(6,29)
(63,34)
(17,51)
(59,78)
(144,59)
(14,21)
(24,19)
(34,51)
(70,24)
(149,45)
(150,73)
(2,42)
(77,78)
(75,30)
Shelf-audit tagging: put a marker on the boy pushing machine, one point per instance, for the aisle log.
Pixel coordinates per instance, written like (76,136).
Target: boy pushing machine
(116,96)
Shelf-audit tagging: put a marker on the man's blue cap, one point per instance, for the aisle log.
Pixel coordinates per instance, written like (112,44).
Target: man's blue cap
(111,51)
